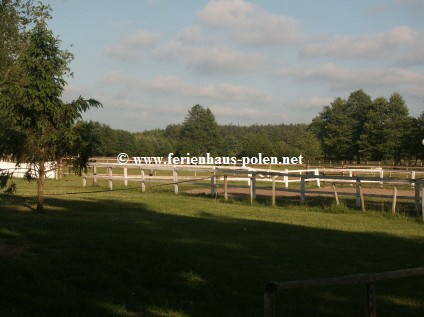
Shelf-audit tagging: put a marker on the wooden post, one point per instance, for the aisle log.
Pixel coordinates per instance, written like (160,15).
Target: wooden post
(269,302)
(175,178)
(335,195)
(302,190)
(413,178)
(225,188)
(381,176)
(351,175)
(125,176)
(273,191)
(110,178)
(286,178)
(417,198)
(370,299)
(362,198)
(358,198)
(251,191)
(316,172)
(143,181)
(84,180)
(94,175)
(213,194)
(254,186)
(394,200)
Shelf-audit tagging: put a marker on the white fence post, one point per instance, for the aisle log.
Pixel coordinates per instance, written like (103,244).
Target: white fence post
(316,172)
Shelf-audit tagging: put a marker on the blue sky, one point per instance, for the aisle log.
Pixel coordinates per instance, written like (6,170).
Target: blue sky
(249,61)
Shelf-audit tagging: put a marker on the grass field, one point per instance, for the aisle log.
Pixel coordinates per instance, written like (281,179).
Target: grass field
(123,253)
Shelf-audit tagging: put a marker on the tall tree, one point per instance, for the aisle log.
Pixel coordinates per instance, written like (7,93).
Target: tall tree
(40,125)
(199,133)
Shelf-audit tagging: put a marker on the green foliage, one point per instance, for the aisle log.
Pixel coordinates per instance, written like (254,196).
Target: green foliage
(361,128)
(39,125)
(199,133)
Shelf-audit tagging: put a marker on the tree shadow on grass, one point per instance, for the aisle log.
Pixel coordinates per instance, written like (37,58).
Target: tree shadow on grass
(104,257)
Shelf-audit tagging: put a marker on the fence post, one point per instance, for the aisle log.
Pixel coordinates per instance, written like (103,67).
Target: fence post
(143,183)
(270,301)
(225,188)
(84,180)
(417,198)
(213,185)
(362,198)
(358,198)
(273,191)
(110,178)
(254,185)
(335,195)
(286,178)
(394,200)
(381,176)
(125,176)
(316,172)
(175,179)
(302,189)
(413,178)
(370,299)
(94,175)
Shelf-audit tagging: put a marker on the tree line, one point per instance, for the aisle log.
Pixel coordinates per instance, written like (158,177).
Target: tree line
(357,128)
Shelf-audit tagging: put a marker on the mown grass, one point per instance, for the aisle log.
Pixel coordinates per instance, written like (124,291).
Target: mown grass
(123,253)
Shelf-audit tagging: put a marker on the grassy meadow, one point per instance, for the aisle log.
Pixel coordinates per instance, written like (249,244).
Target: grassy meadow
(124,253)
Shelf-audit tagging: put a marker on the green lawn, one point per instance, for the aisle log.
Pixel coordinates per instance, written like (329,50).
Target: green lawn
(124,253)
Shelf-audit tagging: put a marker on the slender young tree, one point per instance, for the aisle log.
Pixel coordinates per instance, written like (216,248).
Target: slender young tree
(40,125)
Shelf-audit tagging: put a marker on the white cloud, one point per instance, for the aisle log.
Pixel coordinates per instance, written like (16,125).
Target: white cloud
(209,60)
(249,23)
(363,46)
(133,45)
(173,85)
(341,77)
(191,34)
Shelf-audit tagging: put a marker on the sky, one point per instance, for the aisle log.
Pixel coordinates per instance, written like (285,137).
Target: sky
(250,61)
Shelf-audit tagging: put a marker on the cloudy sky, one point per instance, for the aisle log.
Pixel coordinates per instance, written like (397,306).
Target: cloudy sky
(249,61)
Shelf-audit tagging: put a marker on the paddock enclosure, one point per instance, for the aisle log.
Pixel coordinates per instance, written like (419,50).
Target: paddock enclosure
(276,181)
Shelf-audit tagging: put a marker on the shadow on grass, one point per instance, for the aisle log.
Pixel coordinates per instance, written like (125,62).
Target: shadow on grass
(101,257)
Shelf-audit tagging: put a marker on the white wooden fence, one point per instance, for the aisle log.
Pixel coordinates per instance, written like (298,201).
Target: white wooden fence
(214,174)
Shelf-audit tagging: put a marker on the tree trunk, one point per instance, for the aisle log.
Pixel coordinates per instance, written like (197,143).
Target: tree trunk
(40,186)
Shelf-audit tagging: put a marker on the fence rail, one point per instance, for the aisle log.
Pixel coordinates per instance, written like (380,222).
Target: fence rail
(369,280)
(214,174)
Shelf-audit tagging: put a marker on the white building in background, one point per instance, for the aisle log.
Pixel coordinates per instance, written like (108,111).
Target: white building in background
(19,171)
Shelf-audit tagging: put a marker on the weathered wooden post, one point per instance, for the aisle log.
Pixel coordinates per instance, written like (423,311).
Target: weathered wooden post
(84,180)
(110,178)
(143,181)
(125,176)
(394,200)
(273,191)
(175,179)
(417,197)
(225,188)
(335,195)
(302,189)
(213,193)
(362,198)
(94,175)
(358,198)
(254,185)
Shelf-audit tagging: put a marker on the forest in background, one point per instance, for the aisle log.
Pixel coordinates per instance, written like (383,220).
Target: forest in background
(356,128)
